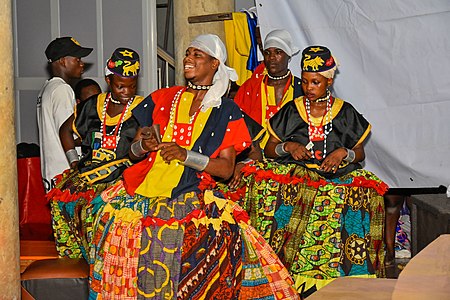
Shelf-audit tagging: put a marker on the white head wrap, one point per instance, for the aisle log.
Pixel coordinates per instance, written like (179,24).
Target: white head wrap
(281,39)
(212,45)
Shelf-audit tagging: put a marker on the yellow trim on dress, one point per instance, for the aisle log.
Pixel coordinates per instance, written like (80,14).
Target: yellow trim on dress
(111,121)
(364,136)
(335,109)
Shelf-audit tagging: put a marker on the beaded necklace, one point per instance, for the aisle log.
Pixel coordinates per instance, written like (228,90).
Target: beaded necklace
(182,133)
(198,87)
(279,77)
(109,141)
(326,129)
(323,98)
(114,100)
(272,109)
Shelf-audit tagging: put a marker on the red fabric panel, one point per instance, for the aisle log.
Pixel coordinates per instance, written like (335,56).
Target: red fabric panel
(33,208)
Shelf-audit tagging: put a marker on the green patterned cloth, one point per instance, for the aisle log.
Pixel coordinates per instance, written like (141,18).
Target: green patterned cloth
(321,229)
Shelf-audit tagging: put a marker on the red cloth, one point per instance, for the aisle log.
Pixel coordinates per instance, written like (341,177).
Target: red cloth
(34,210)
(248,97)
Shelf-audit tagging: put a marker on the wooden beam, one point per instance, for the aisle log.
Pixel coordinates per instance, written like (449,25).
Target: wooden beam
(210,18)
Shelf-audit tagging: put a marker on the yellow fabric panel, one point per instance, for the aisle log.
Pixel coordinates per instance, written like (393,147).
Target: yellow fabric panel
(163,177)
(271,100)
(238,43)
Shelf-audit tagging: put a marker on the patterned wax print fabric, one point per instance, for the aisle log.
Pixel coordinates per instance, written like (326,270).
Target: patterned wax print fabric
(98,169)
(165,235)
(194,246)
(320,228)
(349,128)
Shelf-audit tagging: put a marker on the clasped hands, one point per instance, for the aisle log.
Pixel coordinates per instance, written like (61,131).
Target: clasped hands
(331,162)
(169,150)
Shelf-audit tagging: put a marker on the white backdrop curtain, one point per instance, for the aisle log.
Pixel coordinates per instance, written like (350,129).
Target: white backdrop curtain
(394,60)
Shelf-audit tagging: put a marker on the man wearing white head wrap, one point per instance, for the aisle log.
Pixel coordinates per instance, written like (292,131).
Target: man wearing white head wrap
(183,229)
(272,85)
(212,45)
(281,39)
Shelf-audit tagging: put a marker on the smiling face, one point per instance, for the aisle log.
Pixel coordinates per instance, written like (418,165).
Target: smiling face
(122,88)
(276,61)
(199,67)
(315,85)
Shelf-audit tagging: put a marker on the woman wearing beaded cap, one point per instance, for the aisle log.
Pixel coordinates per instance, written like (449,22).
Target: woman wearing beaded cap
(105,128)
(320,211)
(162,233)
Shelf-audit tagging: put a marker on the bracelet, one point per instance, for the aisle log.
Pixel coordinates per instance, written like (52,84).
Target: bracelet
(72,155)
(279,149)
(350,156)
(196,160)
(137,149)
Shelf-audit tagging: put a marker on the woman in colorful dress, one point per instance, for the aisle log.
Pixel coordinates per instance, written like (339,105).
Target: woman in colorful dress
(320,211)
(162,233)
(105,128)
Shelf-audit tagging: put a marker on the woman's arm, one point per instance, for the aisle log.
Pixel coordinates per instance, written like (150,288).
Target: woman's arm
(141,145)
(68,142)
(223,166)
(296,150)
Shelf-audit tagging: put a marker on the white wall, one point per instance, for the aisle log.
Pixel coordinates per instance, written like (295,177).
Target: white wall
(101,24)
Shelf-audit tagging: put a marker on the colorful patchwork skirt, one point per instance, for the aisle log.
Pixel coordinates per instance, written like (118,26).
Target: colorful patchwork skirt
(196,246)
(72,215)
(320,229)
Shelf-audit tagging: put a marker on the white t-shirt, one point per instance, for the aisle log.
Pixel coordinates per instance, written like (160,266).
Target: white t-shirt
(55,104)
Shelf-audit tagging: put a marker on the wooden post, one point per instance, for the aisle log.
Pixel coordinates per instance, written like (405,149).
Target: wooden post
(184,32)
(9,215)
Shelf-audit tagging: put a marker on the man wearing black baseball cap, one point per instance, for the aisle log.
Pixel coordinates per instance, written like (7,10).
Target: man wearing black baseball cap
(65,46)
(56,103)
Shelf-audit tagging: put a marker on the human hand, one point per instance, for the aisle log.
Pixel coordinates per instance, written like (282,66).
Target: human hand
(153,131)
(74,164)
(333,160)
(150,143)
(171,151)
(236,179)
(297,151)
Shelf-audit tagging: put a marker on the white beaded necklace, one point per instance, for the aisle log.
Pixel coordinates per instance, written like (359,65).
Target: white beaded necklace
(183,132)
(114,100)
(198,87)
(279,77)
(121,120)
(327,128)
(174,107)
